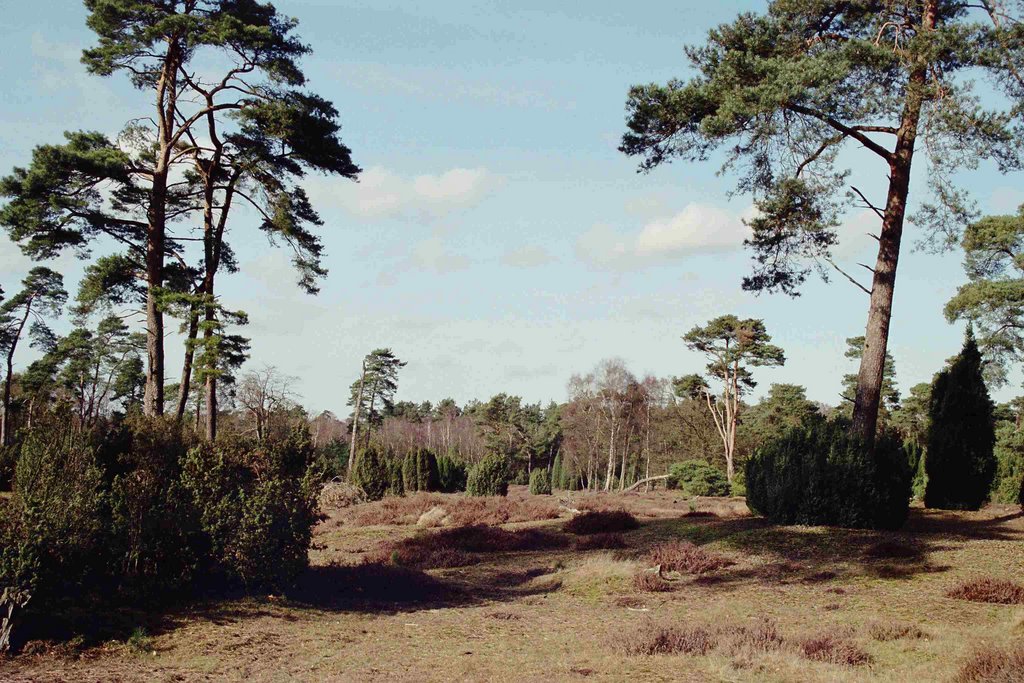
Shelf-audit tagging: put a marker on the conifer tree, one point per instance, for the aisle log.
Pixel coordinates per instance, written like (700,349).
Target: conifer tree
(959,461)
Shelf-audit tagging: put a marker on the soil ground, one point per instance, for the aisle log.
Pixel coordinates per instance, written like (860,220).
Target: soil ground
(567,615)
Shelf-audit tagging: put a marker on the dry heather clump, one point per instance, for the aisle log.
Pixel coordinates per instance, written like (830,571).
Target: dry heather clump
(338,494)
(684,556)
(452,510)
(894,630)
(834,649)
(457,547)
(993,665)
(668,639)
(600,542)
(601,521)
(988,589)
(647,581)
(495,510)
(747,641)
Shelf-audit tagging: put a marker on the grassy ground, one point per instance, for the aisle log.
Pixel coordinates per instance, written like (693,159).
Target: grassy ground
(566,614)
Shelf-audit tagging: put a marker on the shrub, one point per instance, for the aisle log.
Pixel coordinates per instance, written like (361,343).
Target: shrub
(645,581)
(819,474)
(894,630)
(257,505)
(960,463)
(458,547)
(540,482)
(668,639)
(370,473)
(834,649)
(1009,452)
(8,460)
(54,536)
(697,478)
(419,471)
(993,665)
(451,475)
(489,477)
(738,487)
(683,556)
(988,589)
(154,529)
(601,521)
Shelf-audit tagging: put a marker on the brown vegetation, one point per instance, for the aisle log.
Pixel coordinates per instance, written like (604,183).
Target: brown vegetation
(685,557)
(894,630)
(459,510)
(458,547)
(647,581)
(988,589)
(833,648)
(601,521)
(994,665)
(667,639)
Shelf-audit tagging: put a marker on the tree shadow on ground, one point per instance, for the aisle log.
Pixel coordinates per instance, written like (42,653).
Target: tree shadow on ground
(778,555)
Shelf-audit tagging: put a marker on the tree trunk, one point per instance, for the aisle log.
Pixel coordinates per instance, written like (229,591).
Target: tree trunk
(186,369)
(611,458)
(5,424)
(153,401)
(355,421)
(876,336)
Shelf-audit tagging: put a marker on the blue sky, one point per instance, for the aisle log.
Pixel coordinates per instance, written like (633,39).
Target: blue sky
(498,241)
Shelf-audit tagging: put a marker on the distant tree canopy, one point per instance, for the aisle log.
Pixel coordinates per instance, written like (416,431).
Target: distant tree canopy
(993,298)
(784,92)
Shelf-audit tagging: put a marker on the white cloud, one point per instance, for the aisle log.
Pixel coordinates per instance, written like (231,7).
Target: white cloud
(698,228)
(381,193)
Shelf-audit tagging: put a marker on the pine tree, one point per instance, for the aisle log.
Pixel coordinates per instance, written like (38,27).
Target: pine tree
(960,463)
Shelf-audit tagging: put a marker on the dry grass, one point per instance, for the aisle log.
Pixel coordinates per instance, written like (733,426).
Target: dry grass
(601,522)
(600,542)
(667,639)
(833,648)
(894,630)
(988,589)
(685,557)
(460,546)
(994,665)
(892,550)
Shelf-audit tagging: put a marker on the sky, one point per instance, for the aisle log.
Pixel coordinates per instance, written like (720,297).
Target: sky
(497,241)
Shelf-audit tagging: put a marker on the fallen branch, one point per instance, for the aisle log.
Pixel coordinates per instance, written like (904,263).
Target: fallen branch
(644,481)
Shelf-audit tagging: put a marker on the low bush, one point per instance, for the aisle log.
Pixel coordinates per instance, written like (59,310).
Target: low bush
(371,474)
(257,504)
(668,639)
(747,641)
(451,475)
(988,589)
(818,474)
(738,487)
(834,649)
(993,665)
(685,557)
(894,630)
(540,482)
(601,521)
(697,478)
(460,546)
(646,581)
(489,477)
